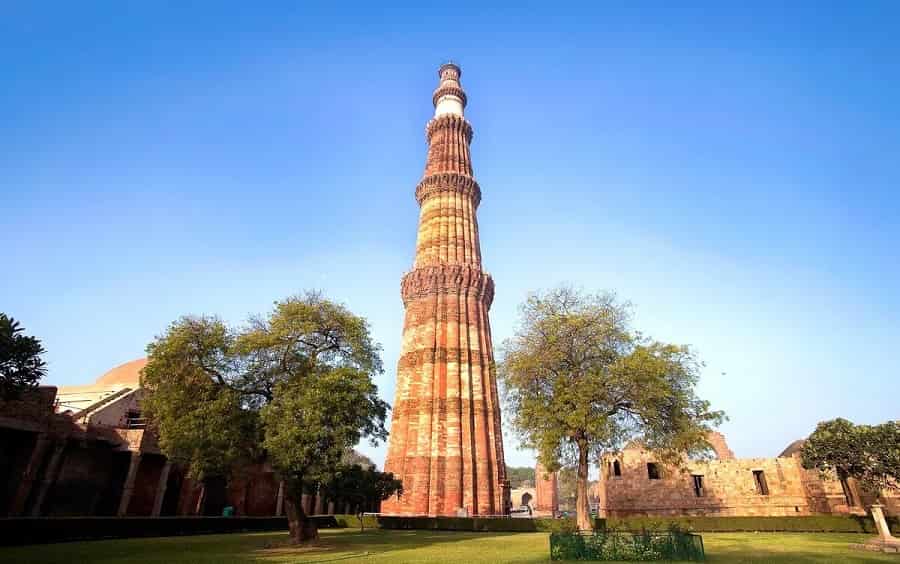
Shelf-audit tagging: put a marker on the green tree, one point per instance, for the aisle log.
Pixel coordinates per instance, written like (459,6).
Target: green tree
(868,453)
(295,387)
(567,484)
(21,365)
(362,487)
(578,382)
(520,477)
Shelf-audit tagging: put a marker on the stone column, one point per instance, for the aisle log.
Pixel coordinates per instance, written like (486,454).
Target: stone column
(884,532)
(29,475)
(320,504)
(133,463)
(201,500)
(331,507)
(279,499)
(304,503)
(50,476)
(161,488)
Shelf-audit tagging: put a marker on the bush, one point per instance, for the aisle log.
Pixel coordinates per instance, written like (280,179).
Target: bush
(804,524)
(799,524)
(641,546)
(352,521)
(481,524)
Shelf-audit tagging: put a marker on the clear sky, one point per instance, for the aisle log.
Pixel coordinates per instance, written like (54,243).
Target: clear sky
(732,168)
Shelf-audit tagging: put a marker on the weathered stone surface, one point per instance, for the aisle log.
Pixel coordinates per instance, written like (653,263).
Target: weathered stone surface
(546,491)
(446,443)
(728,486)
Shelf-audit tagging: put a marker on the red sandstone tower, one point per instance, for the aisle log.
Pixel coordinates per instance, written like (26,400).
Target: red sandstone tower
(546,491)
(445,441)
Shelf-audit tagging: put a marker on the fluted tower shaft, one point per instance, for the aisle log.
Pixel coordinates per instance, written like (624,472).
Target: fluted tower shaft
(446,443)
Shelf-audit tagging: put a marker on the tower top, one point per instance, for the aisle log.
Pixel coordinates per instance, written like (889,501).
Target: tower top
(450,65)
(449,97)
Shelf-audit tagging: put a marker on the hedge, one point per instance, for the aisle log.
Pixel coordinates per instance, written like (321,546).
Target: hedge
(56,529)
(811,523)
(799,524)
(352,521)
(480,524)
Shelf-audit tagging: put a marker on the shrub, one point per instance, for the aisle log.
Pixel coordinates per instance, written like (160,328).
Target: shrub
(482,524)
(804,524)
(640,546)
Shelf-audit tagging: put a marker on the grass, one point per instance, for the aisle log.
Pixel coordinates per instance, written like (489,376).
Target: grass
(379,546)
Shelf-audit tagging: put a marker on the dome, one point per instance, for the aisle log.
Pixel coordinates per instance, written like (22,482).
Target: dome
(128,374)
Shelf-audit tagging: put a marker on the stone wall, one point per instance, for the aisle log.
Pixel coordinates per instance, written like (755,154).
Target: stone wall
(633,483)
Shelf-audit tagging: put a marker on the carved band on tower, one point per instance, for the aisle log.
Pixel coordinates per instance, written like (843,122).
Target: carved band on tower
(446,442)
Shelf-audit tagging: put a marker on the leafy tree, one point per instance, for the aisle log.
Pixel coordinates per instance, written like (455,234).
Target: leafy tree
(579,382)
(567,484)
(294,387)
(520,477)
(21,365)
(868,453)
(361,486)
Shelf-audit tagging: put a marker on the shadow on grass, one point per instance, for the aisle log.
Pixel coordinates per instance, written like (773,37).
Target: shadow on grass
(789,548)
(347,544)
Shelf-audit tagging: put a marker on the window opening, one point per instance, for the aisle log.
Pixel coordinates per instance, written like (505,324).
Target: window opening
(762,488)
(698,485)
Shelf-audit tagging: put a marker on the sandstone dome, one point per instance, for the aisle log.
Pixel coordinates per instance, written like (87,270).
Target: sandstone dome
(128,374)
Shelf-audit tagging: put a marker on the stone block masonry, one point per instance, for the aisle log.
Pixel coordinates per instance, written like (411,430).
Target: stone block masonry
(446,442)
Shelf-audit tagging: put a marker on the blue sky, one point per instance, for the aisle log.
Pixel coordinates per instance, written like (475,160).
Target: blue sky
(730,168)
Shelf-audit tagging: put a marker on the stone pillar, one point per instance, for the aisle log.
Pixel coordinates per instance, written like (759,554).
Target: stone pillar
(347,509)
(320,504)
(29,475)
(331,507)
(304,503)
(884,532)
(50,476)
(134,463)
(161,487)
(279,499)
(201,500)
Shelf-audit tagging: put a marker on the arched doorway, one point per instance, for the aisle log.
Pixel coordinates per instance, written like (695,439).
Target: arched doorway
(526,498)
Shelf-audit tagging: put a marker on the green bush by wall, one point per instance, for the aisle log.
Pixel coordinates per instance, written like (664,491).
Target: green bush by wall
(805,524)
(799,524)
(484,524)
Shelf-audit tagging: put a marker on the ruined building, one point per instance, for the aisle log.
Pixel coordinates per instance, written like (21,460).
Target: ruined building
(546,492)
(634,482)
(85,450)
(446,443)
(540,498)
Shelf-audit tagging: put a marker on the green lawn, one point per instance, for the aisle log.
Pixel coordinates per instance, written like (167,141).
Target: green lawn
(350,545)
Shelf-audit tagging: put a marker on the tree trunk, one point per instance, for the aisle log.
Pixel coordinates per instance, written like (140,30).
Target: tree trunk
(582,508)
(303,529)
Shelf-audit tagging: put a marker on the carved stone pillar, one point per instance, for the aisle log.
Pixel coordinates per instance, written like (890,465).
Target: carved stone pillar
(50,476)
(134,463)
(161,488)
(279,499)
(29,475)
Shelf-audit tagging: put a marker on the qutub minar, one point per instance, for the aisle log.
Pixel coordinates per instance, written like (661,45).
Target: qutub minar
(446,443)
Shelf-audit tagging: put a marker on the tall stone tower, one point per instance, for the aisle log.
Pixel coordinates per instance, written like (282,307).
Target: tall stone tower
(445,441)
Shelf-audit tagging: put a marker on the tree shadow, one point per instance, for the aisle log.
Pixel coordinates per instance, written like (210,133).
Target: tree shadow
(346,545)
